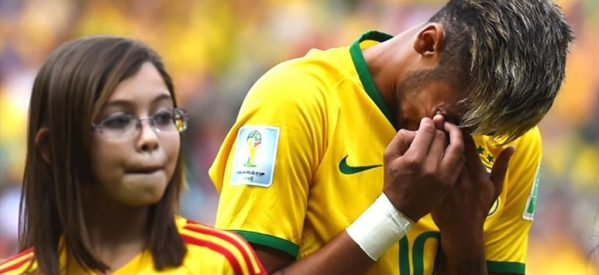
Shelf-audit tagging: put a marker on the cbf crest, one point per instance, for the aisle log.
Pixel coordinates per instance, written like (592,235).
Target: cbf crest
(255,154)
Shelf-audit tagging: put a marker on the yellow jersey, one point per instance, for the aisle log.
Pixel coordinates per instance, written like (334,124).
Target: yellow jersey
(304,159)
(209,251)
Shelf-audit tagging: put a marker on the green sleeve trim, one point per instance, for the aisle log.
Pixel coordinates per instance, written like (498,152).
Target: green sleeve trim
(270,241)
(506,267)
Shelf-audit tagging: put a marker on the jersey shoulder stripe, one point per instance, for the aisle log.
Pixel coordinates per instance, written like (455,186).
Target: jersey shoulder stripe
(216,248)
(16,261)
(254,266)
(227,236)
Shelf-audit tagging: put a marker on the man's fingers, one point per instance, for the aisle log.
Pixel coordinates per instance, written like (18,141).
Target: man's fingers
(473,162)
(435,155)
(439,120)
(424,137)
(500,169)
(400,143)
(454,153)
(458,171)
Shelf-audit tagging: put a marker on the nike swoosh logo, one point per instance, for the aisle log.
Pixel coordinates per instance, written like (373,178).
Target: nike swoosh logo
(348,170)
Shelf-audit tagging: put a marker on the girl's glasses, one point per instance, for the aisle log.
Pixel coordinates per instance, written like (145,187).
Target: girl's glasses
(122,126)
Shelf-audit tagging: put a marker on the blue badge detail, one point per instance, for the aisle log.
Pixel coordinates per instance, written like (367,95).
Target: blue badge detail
(531,203)
(255,156)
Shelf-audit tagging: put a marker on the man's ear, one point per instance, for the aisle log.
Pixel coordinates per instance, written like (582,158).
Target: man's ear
(41,143)
(429,40)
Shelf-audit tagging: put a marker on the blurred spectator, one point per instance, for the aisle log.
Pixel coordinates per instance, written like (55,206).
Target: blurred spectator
(216,49)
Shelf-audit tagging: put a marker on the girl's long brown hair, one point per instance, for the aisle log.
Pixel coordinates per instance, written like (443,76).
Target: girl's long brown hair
(69,90)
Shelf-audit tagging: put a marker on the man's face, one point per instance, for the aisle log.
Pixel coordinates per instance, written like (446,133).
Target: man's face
(420,100)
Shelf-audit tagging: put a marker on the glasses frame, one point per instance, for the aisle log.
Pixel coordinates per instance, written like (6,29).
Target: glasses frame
(180,119)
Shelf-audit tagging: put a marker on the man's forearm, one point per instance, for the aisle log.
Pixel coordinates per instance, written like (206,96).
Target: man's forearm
(462,254)
(340,256)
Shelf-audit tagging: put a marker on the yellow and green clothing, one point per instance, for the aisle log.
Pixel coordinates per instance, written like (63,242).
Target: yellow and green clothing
(209,251)
(324,127)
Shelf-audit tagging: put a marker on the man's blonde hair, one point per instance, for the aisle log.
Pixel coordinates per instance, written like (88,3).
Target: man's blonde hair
(511,55)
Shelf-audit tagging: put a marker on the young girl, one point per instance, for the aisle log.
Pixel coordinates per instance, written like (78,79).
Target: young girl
(103,171)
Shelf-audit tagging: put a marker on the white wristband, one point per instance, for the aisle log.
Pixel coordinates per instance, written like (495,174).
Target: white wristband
(379,227)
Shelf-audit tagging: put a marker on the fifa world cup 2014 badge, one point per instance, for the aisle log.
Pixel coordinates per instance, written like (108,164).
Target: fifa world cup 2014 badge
(255,153)
(253,141)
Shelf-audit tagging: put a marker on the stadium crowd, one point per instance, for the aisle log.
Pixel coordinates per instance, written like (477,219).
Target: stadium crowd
(216,50)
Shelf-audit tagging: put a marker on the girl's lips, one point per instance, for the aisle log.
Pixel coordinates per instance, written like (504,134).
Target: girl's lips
(144,170)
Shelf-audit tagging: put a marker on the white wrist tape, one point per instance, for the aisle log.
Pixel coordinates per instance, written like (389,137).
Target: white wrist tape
(379,227)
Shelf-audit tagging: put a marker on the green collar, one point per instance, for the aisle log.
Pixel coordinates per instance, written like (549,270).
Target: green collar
(365,77)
